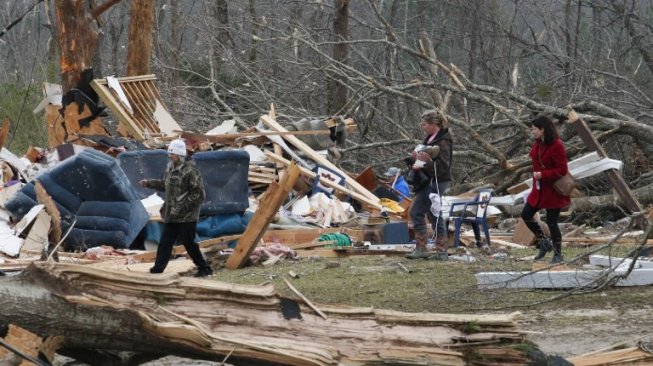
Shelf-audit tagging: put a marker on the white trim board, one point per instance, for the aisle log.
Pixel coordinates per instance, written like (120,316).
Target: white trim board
(608,261)
(561,279)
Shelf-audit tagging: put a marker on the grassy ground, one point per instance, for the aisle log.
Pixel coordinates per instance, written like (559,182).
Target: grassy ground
(430,286)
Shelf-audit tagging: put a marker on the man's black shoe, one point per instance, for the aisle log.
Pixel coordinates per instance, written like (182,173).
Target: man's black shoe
(204,272)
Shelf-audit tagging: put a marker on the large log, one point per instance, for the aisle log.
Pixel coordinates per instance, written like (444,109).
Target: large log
(166,313)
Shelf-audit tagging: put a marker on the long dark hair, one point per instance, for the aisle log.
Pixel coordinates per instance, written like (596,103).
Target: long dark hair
(550,132)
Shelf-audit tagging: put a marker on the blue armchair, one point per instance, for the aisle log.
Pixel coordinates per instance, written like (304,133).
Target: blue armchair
(473,213)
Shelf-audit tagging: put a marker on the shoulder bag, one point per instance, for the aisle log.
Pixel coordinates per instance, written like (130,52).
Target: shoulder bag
(563,185)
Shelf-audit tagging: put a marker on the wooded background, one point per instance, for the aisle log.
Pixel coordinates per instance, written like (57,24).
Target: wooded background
(489,66)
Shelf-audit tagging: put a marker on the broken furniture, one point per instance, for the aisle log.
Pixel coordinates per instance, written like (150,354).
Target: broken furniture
(224,174)
(137,103)
(91,191)
(473,213)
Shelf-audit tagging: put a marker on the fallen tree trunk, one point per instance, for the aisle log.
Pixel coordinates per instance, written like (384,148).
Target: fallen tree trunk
(580,204)
(157,314)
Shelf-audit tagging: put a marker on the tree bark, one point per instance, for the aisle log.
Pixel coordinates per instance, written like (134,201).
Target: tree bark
(77,40)
(139,52)
(104,309)
(337,84)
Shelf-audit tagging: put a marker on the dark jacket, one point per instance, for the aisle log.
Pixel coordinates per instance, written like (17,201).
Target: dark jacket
(443,160)
(551,160)
(184,190)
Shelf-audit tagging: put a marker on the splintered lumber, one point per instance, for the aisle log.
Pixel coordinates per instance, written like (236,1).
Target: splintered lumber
(318,158)
(268,207)
(626,356)
(51,208)
(28,345)
(355,195)
(164,313)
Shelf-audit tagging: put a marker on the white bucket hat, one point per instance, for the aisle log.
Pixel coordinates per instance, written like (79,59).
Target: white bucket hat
(177,147)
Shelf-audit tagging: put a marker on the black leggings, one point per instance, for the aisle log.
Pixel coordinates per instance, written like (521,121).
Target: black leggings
(552,215)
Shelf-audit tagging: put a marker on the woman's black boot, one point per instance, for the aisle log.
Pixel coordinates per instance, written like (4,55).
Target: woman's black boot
(557,253)
(544,245)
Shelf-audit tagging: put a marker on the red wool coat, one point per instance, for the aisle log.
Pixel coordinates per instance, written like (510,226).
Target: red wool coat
(551,160)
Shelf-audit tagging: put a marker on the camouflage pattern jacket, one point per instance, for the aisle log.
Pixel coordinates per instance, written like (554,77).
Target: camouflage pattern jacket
(184,190)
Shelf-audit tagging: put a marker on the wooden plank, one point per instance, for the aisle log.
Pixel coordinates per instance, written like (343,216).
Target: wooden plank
(262,169)
(268,207)
(263,175)
(337,187)
(222,239)
(320,252)
(281,167)
(319,158)
(615,177)
(260,180)
(294,236)
(310,245)
(507,243)
(306,300)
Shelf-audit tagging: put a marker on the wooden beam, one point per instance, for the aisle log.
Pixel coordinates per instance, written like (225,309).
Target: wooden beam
(318,158)
(268,207)
(615,177)
(230,138)
(337,187)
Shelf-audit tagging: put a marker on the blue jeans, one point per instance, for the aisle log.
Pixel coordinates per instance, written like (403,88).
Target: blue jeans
(422,207)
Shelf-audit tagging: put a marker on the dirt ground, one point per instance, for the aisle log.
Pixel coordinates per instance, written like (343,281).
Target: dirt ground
(576,332)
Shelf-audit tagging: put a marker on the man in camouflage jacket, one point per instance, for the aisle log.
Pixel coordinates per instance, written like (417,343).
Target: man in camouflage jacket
(184,190)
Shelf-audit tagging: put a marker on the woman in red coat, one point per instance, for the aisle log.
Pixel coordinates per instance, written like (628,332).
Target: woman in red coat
(549,164)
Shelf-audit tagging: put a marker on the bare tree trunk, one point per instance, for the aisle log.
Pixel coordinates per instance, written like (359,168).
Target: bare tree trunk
(52,44)
(175,43)
(337,88)
(474,37)
(141,25)
(255,30)
(636,37)
(77,40)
